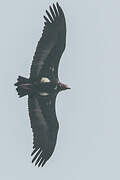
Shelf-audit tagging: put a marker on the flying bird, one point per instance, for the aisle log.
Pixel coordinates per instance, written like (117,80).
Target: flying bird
(43,85)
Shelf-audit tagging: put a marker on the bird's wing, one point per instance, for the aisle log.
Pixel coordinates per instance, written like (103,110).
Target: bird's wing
(51,45)
(44,125)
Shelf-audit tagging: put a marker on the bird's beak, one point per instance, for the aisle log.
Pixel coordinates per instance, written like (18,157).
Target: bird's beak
(65,87)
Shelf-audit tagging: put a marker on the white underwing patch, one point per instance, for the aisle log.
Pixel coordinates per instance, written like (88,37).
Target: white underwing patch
(44,94)
(45,80)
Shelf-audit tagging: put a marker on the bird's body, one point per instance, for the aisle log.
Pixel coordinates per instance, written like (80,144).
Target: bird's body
(43,85)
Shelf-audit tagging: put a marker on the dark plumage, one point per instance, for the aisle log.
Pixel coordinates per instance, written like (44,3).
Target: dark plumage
(43,85)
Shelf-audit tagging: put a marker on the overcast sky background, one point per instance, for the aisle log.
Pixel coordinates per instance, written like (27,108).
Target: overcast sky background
(88,146)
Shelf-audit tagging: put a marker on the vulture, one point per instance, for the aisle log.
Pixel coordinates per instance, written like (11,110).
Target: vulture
(43,85)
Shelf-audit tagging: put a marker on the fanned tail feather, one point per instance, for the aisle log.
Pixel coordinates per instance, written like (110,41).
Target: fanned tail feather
(23,86)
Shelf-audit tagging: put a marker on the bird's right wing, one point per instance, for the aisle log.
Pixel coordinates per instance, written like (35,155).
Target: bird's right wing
(51,45)
(44,125)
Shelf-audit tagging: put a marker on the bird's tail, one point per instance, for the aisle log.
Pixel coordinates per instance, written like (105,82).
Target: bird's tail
(23,86)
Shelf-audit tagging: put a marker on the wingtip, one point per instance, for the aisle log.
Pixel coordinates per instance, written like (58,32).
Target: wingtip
(57,3)
(44,163)
(34,151)
(53,5)
(49,16)
(55,9)
(59,9)
(50,7)
(41,162)
(46,19)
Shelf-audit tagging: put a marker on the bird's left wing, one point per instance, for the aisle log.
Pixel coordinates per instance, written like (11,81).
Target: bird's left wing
(44,125)
(51,45)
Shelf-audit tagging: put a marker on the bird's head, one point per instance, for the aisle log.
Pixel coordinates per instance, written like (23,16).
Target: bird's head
(62,86)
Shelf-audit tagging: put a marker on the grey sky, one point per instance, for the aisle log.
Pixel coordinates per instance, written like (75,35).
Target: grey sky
(88,146)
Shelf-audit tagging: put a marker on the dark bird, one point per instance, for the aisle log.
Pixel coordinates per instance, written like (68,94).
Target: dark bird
(43,85)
